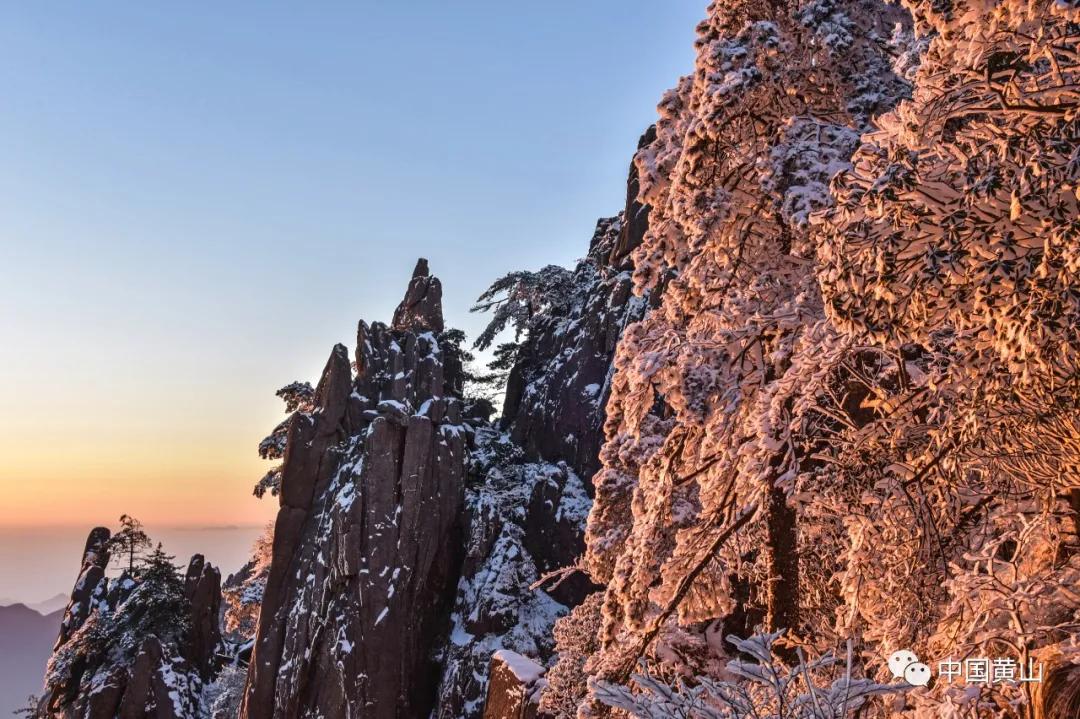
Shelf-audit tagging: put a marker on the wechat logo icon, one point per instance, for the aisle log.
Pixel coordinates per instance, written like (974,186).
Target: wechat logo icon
(905,665)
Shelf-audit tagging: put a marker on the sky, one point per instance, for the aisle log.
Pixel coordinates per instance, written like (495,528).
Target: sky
(197,203)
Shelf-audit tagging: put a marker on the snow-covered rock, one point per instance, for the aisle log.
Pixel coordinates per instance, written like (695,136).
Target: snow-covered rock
(516,684)
(140,646)
(367,544)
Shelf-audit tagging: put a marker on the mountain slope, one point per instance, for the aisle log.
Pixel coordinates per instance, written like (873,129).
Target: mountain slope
(50,605)
(26,639)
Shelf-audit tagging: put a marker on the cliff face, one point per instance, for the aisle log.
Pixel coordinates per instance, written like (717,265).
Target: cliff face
(559,386)
(366,543)
(530,480)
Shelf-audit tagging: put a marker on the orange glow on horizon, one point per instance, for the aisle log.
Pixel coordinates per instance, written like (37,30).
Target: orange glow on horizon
(176,472)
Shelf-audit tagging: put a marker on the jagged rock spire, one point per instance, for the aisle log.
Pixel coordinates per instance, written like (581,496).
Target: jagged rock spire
(421,310)
(202,587)
(366,546)
(107,663)
(94,563)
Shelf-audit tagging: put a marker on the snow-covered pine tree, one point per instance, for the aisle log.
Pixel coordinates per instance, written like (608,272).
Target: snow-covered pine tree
(907,379)
(299,397)
(761,685)
(953,254)
(515,298)
(242,592)
(693,520)
(157,605)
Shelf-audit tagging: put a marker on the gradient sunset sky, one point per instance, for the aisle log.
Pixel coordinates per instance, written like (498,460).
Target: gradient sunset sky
(198,201)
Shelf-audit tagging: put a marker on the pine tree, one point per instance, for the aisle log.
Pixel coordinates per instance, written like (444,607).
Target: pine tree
(952,253)
(492,384)
(891,382)
(159,605)
(31,709)
(298,397)
(710,429)
(457,361)
(130,542)
(516,298)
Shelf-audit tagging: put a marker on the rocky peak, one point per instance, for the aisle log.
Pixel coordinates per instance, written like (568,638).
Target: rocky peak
(635,216)
(421,310)
(366,543)
(202,587)
(89,585)
(134,647)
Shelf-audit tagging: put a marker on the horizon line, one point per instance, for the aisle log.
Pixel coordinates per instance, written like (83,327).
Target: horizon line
(196,527)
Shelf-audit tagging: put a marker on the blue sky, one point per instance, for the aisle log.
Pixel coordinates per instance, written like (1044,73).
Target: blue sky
(197,201)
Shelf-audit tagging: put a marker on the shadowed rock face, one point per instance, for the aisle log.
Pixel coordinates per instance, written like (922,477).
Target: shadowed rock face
(147,691)
(367,540)
(421,310)
(202,586)
(63,694)
(635,216)
(89,584)
(558,388)
(527,515)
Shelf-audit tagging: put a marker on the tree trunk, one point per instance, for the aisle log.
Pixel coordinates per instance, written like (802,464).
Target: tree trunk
(782,605)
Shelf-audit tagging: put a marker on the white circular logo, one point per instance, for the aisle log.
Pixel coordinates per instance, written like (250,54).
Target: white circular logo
(917,674)
(899,661)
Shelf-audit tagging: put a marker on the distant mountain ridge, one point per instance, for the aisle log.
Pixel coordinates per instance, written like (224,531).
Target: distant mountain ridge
(47,606)
(26,640)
